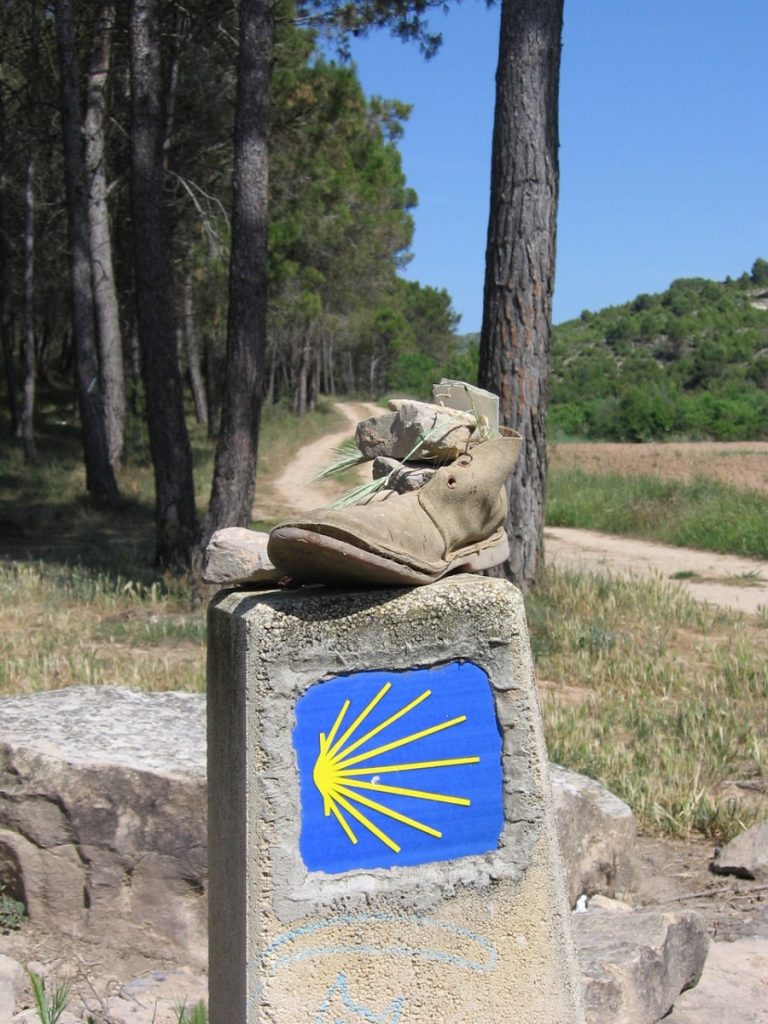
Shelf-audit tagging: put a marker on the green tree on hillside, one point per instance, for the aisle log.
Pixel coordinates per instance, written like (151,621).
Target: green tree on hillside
(698,348)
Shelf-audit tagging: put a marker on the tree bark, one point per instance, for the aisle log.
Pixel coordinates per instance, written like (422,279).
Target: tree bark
(104,291)
(26,423)
(235,469)
(100,478)
(520,259)
(6,332)
(175,514)
(192,345)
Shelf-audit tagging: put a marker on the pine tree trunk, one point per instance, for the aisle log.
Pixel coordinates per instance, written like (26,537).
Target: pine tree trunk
(520,259)
(235,470)
(100,478)
(26,423)
(104,291)
(212,390)
(192,345)
(175,514)
(6,332)
(300,397)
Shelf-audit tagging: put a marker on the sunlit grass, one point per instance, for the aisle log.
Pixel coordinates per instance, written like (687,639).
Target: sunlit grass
(67,626)
(660,698)
(704,514)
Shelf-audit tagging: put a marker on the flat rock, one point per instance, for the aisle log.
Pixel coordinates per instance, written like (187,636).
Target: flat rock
(597,834)
(746,856)
(155,998)
(237,556)
(416,431)
(103,816)
(405,476)
(733,988)
(636,963)
(11,982)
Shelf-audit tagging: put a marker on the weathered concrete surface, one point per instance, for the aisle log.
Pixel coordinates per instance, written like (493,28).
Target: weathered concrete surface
(597,834)
(102,816)
(746,856)
(288,944)
(733,988)
(635,963)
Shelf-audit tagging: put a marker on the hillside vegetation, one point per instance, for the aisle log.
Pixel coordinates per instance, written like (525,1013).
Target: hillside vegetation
(691,361)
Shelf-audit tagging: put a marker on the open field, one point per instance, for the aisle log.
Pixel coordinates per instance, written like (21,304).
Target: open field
(740,464)
(698,495)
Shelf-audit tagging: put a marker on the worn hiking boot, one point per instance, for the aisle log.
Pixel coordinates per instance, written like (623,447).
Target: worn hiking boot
(455,521)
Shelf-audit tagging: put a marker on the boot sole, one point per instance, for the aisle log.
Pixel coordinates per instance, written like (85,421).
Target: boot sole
(317,558)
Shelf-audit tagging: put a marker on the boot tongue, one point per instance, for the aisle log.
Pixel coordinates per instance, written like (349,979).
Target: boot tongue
(467,500)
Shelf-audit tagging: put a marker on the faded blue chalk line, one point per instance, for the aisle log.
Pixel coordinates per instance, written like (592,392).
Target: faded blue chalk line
(391,1015)
(366,949)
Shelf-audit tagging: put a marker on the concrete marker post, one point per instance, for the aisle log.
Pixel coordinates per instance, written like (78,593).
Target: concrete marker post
(382,842)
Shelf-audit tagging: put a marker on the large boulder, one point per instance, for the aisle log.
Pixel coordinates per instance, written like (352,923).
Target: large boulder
(103,816)
(597,835)
(746,856)
(635,963)
(733,988)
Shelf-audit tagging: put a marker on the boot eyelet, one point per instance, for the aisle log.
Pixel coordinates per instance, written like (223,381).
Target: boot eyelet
(451,481)
(464,460)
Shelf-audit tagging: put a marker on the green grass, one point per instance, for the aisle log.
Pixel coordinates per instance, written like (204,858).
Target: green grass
(704,514)
(63,625)
(80,600)
(660,698)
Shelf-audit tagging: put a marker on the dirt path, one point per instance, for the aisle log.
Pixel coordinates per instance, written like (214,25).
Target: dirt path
(740,584)
(727,581)
(296,489)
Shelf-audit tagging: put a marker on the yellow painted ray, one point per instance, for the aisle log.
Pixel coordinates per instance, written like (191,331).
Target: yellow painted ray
(337,723)
(401,742)
(360,718)
(410,767)
(343,822)
(388,721)
(320,761)
(368,824)
(419,794)
(341,791)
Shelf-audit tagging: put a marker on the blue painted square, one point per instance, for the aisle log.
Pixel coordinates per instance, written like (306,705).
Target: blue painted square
(398,768)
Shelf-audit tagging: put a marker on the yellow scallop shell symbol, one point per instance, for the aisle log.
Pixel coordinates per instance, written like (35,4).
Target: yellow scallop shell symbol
(339,773)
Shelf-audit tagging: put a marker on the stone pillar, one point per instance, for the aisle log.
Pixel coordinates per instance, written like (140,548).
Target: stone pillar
(381,833)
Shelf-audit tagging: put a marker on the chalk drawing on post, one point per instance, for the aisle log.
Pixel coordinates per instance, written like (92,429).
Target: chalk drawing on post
(338,1007)
(398,768)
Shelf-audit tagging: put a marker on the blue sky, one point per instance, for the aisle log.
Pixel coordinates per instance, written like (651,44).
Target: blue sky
(663,145)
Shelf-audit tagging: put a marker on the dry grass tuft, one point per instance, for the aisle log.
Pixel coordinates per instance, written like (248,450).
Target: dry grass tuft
(672,699)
